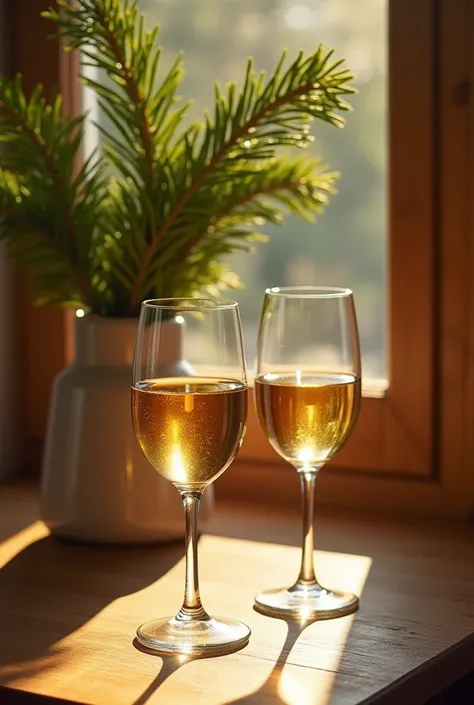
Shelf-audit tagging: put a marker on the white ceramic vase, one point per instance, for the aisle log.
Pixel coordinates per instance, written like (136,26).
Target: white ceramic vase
(96,484)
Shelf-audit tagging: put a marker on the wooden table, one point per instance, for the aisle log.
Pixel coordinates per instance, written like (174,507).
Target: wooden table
(68,613)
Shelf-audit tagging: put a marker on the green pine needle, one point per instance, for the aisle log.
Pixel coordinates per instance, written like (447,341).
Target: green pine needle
(182,199)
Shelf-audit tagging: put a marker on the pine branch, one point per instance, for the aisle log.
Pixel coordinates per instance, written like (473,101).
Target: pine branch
(118,50)
(19,121)
(18,226)
(293,186)
(265,117)
(36,130)
(143,115)
(296,186)
(184,198)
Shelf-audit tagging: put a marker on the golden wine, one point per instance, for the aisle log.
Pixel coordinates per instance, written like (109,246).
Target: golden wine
(190,428)
(306,416)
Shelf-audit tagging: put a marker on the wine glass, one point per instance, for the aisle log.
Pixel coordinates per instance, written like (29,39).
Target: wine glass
(307,391)
(189,408)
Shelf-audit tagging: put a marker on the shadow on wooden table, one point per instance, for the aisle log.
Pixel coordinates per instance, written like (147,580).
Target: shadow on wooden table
(22,509)
(267,692)
(66,585)
(169,665)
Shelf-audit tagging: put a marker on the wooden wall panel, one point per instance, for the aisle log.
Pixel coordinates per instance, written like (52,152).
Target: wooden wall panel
(40,330)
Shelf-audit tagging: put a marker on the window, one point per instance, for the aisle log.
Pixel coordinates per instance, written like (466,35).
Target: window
(347,247)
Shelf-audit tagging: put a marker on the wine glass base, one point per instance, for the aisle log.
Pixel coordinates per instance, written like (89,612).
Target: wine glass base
(212,636)
(306,602)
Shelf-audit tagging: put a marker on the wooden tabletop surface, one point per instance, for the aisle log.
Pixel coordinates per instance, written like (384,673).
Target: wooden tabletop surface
(68,613)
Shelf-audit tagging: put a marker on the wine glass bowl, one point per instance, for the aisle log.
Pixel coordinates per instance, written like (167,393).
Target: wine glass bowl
(190,427)
(307,391)
(189,410)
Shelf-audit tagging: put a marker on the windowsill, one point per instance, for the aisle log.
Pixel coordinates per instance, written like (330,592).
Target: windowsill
(69,612)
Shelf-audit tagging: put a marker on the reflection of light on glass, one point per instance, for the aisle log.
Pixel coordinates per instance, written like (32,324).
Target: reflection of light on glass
(80,313)
(179,319)
(178,468)
(188,398)
(129,470)
(129,480)
(306,454)
(298,377)
(129,474)
(304,613)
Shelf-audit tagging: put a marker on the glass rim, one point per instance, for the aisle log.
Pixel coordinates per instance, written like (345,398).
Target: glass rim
(309,292)
(172,304)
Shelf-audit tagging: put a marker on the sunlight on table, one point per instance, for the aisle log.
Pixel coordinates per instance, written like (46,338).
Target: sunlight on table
(11,546)
(65,600)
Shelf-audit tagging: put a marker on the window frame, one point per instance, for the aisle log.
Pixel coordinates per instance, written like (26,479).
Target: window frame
(411,450)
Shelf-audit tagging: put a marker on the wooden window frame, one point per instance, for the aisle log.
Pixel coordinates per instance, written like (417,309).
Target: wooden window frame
(411,450)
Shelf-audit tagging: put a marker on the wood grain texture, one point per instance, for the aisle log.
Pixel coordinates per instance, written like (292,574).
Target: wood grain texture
(457,254)
(408,429)
(41,348)
(69,612)
(469,437)
(278,483)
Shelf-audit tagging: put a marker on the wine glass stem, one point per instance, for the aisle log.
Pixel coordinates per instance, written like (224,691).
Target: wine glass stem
(307,479)
(192,608)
